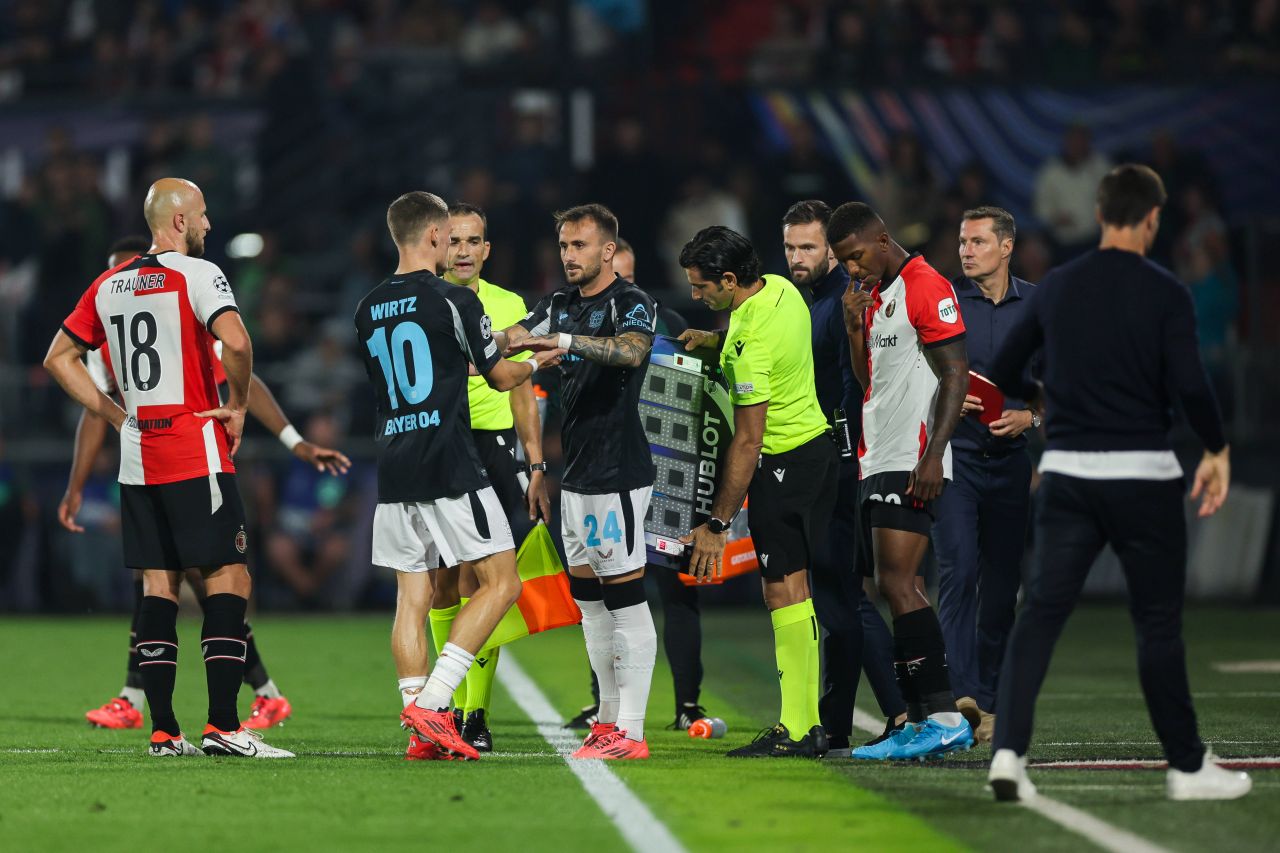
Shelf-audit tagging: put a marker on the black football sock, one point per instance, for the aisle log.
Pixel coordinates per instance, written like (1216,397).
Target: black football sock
(255,673)
(158,659)
(133,675)
(223,643)
(923,653)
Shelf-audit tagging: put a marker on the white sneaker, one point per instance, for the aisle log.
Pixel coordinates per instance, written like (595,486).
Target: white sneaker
(242,743)
(163,746)
(1008,777)
(1210,782)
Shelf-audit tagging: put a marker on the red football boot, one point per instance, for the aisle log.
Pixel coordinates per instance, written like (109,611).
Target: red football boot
(598,730)
(268,712)
(119,713)
(614,746)
(438,727)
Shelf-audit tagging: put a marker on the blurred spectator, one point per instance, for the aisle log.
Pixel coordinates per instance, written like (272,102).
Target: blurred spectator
(490,36)
(700,205)
(309,516)
(212,168)
(805,170)
(627,177)
(1072,52)
(852,56)
(906,193)
(953,46)
(1066,193)
(786,55)
(1203,262)
(93,556)
(323,375)
(1032,257)
(1129,48)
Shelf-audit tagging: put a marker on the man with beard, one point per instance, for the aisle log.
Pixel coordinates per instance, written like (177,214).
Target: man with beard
(607,324)
(180,505)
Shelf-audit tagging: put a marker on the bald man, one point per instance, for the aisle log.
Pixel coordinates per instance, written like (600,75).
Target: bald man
(180,508)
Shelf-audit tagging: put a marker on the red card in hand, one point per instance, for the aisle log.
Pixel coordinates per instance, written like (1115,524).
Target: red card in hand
(992,400)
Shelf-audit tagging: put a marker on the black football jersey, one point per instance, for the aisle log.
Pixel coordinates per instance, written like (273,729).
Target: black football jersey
(605,446)
(417,333)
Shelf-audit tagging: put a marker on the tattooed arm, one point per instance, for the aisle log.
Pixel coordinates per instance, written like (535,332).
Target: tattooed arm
(630,349)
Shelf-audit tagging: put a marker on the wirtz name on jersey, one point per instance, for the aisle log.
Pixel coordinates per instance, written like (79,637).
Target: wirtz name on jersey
(394,308)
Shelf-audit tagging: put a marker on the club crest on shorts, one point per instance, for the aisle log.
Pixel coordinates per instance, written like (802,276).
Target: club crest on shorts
(890,308)
(242,541)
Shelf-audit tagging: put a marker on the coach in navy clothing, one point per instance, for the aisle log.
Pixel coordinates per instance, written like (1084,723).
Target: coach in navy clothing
(1118,341)
(981,525)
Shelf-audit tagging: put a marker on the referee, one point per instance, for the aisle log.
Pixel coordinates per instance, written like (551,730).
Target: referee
(1119,346)
(781,456)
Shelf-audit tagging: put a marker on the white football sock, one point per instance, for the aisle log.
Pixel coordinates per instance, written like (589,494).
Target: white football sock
(451,667)
(598,630)
(635,645)
(950,719)
(136,695)
(268,690)
(410,688)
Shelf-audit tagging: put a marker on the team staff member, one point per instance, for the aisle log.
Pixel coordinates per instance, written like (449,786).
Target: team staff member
(906,342)
(981,526)
(180,506)
(496,418)
(270,707)
(607,325)
(418,334)
(781,456)
(1118,335)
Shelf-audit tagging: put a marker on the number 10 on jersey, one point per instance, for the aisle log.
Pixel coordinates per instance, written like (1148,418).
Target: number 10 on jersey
(397,366)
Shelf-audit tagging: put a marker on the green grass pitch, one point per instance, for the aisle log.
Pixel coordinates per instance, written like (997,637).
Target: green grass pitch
(65,786)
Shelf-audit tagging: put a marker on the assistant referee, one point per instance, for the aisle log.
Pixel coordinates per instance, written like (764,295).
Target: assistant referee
(781,456)
(1119,347)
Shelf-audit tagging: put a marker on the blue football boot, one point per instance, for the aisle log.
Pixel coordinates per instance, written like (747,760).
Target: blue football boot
(934,740)
(883,751)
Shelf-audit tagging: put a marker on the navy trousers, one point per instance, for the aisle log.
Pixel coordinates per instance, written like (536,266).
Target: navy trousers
(855,637)
(978,539)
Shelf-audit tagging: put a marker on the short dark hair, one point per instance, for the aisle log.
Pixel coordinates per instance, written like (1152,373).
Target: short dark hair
(599,214)
(1001,220)
(1128,193)
(134,243)
(807,211)
(852,217)
(461,208)
(409,215)
(717,250)
(623,246)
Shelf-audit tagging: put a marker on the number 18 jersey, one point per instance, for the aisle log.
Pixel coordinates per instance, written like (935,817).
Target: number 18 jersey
(416,334)
(155,311)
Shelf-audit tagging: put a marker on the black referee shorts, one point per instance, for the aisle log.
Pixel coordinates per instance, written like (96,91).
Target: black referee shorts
(497,449)
(790,501)
(884,502)
(190,524)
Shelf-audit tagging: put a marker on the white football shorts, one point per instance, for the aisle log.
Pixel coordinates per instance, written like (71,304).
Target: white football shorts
(605,531)
(418,537)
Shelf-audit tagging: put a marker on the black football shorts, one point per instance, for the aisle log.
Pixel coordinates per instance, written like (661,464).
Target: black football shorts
(190,524)
(789,505)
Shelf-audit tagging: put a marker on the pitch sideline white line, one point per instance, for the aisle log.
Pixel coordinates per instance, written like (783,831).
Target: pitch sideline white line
(639,826)
(1101,833)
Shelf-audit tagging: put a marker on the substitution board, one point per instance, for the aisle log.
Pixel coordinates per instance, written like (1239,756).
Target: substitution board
(688,419)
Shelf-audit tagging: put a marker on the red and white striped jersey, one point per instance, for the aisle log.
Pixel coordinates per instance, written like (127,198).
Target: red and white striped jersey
(99,363)
(155,312)
(914,310)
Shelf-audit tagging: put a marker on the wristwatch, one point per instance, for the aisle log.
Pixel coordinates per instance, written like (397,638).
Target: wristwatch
(538,466)
(1036,420)
(717,526)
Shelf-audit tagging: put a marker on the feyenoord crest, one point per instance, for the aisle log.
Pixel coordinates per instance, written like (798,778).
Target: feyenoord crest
(888,309)
(242,541)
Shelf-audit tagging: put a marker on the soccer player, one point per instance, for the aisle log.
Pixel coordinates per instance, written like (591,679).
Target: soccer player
(179,503)
(270,707)
(418,333)
(1110,476)
(781,456)
(906,340)
(493,416)
(607,325)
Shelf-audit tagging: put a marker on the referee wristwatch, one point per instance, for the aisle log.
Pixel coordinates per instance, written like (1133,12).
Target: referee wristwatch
(538,466)
(717,526)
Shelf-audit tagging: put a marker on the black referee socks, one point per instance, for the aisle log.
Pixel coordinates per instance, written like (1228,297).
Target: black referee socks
(921,662)
(222,640)
(158,659)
